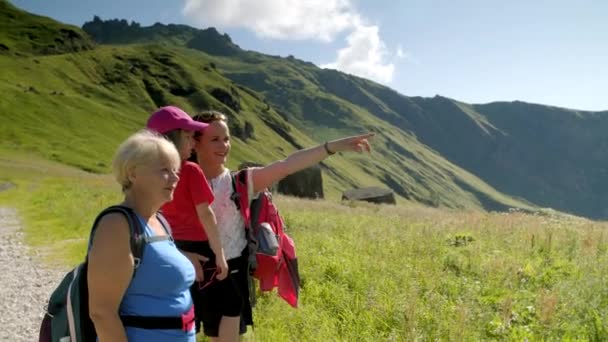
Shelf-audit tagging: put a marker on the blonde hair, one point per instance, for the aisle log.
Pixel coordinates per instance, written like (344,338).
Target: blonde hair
(141,148)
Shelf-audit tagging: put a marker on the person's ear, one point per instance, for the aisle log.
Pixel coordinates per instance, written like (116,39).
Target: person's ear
(132,174)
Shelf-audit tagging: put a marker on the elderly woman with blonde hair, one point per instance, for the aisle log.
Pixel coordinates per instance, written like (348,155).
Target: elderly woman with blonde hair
(153,303)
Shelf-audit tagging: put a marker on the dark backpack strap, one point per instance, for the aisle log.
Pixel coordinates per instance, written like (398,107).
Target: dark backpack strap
(235,197)
(254,211)
(136,231)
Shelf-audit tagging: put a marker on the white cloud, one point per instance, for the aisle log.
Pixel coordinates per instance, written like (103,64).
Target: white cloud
(365,54)
(279,19)
(400,53)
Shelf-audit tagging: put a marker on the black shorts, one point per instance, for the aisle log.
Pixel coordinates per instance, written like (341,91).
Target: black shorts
(214,298)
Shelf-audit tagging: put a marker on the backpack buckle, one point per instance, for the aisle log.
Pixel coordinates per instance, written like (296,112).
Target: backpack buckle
(136,262)
(236,198)
(188,320)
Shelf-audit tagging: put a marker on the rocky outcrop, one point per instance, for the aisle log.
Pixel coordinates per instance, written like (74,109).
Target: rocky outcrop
(307,183)
(370,194)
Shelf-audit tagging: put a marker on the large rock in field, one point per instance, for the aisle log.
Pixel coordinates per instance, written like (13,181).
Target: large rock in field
(307,183)
(370,194)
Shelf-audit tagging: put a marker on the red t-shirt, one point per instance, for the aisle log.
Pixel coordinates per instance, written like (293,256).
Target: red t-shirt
(192,189)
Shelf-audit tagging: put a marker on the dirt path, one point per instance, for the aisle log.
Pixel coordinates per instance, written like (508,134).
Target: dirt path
(24,285)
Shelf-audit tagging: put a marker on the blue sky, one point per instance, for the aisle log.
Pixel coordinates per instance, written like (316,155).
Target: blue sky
(477,51)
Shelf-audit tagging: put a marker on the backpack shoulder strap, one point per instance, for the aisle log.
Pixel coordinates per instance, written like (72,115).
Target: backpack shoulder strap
(256,208)
(136,231)
(163,221)
(240,194)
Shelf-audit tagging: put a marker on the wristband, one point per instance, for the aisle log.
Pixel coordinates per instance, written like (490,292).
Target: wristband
(326,147)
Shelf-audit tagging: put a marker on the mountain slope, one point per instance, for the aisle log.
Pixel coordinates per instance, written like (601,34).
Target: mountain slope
(435,151)
(22,33)
(553,157)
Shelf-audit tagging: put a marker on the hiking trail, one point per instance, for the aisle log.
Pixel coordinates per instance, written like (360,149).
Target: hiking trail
(25,285)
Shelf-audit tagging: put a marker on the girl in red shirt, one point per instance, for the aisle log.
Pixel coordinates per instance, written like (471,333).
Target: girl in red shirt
(189,214)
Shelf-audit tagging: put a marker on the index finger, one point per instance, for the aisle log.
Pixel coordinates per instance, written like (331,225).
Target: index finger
(366,135)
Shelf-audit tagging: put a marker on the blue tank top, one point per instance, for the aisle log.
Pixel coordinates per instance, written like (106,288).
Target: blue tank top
(160,288)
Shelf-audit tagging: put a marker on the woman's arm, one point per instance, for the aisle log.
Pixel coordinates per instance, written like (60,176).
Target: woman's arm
(264,177)
(108,276)
(196,259)
(205,214)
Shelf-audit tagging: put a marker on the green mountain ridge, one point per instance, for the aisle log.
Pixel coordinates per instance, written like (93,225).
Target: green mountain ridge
(117,31)
(436,151)
(23,34)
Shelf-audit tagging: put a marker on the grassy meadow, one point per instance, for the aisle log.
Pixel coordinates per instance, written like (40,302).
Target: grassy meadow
(377,273)
(370,273)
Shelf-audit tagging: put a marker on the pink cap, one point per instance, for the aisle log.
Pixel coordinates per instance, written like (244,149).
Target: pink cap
(169,118)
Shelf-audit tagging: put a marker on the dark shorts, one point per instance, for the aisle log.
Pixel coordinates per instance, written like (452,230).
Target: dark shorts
(214,298)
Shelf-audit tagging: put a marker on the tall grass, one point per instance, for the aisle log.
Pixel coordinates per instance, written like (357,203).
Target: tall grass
(383,273)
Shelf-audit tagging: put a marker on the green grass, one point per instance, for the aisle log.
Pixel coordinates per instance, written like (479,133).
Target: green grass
(378,272)
(431,274)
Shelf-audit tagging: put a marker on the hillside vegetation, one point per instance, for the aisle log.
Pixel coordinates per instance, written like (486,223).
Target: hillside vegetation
(373,272)
(78,100)
(22,34)
(548,156)
(76,107)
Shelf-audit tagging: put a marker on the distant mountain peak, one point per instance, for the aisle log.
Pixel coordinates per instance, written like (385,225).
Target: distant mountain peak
(120,31)
(212,42)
